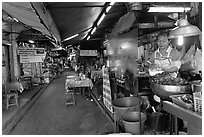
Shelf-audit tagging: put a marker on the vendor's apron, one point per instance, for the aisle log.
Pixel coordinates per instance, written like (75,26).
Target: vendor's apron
(164,62)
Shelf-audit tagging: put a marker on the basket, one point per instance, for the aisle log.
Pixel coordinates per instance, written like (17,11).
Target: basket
(197,98)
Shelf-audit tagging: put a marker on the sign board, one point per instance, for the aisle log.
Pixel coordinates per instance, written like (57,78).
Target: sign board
(107,90)
(31,51)
(88,53)
(31,55)
(31,59)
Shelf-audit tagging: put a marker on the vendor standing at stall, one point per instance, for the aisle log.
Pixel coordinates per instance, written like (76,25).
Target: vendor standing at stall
(165,58)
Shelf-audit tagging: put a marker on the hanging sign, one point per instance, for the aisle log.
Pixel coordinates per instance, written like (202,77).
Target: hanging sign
(107,90)
(31,59)
(31,55)
(31,51)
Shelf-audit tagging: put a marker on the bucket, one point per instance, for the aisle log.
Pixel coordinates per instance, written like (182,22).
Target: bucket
(196,86)
(131,122)
(124,104)
(152,117)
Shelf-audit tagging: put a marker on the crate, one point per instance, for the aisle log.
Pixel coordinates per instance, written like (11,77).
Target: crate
(176,100)
(197,98)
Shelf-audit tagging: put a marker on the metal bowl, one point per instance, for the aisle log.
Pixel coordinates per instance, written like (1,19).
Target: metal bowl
(164,91)
(124,104)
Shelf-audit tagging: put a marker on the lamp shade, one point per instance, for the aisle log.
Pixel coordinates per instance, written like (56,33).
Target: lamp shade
(187,42)
(184,29)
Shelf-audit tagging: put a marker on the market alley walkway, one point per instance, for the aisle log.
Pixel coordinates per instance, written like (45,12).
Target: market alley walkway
(50,116)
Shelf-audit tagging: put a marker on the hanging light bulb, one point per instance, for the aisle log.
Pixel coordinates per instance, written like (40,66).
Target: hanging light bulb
(184,34)
(180,40)
(184,29)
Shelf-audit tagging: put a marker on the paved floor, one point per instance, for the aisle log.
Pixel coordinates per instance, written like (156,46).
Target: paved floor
(24,98)
(50,116)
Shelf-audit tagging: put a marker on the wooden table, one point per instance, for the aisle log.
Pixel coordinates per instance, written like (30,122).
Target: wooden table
(18,86)
(76,83)
(193,119)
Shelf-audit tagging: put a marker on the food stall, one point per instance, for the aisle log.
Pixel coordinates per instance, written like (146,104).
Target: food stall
(130,79)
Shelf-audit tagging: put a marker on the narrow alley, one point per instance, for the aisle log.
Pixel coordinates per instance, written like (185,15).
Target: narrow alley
(50,116)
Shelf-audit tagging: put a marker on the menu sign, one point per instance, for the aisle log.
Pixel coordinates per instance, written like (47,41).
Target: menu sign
(31,59)
(107,90)
(31,55)
(31,51)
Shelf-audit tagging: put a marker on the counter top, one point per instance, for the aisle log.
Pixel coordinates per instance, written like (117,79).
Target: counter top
(193,119)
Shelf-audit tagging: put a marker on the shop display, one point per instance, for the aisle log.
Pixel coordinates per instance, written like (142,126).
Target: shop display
(167,79)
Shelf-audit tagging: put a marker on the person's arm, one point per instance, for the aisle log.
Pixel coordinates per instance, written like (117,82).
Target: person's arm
(150,62)
(151,59)
(176,63)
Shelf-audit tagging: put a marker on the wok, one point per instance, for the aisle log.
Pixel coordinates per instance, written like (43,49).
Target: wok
(164,91)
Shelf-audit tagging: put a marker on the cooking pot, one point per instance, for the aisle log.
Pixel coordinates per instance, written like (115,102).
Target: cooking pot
(125,104)
(164,91)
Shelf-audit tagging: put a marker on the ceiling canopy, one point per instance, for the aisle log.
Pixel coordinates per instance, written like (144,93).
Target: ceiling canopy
(62,20)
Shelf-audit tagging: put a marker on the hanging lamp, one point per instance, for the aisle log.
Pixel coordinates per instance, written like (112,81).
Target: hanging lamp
(184,29)
(185,34)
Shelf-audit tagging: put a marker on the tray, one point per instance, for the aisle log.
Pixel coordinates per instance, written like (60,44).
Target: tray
(176,100)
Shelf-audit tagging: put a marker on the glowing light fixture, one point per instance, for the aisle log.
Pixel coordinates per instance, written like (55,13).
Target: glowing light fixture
(93,30)
(184,29)
(88,37)
(71,37)
(180,40)
(15,19)
(100,20)
(31,41)
(169,9)
(109,7)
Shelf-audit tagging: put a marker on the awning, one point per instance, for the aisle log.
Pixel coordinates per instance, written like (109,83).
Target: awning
(124,23)
(24,12)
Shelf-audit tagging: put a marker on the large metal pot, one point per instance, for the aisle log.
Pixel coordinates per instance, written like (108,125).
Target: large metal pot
(131,121)
(125,104)
(164,91)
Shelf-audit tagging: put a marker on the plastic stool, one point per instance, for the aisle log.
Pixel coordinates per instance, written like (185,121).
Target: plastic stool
(69,97)
(13,97)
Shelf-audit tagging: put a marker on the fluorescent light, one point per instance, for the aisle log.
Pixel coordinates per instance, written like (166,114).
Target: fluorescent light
(169,9)
(100,20)
(15,19)
(109,7)
(31,41)
(112,3)
(93,30)
(180,40)
(71,37)
(88,37)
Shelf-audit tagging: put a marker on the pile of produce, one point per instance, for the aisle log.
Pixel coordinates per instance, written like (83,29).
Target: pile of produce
(167,79)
